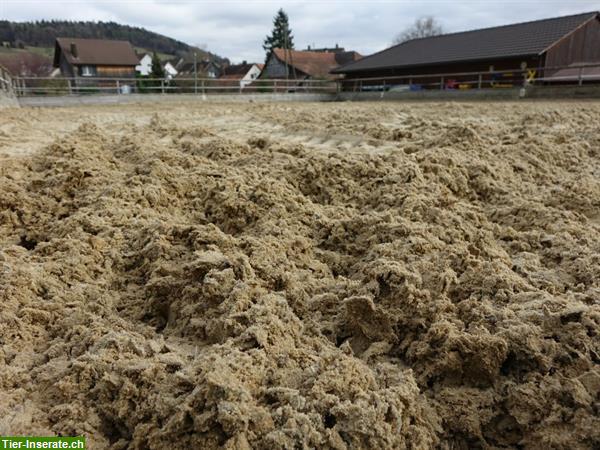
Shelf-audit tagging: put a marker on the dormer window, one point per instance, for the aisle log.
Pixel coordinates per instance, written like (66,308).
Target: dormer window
(88,71)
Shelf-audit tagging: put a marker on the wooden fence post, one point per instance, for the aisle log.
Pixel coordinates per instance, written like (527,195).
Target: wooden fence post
(479,81)
(580,76)
(162,86)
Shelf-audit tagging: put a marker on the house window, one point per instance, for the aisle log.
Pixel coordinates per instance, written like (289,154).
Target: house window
(87,71)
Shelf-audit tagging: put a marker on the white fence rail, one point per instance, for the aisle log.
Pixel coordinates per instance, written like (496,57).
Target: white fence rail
(574,75)
(28,86)
(577,75)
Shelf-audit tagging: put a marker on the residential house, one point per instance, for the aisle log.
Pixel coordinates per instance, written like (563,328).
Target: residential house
(204,69)
(244,73)
(535,46)
(170,70)
(83,59)
(306,64)
(144,68)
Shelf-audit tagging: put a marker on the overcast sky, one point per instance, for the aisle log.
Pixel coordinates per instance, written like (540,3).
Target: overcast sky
(236,29)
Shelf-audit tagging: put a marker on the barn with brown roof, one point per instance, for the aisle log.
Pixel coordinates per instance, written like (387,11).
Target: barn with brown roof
(305,64)
(537,45)
(88,58)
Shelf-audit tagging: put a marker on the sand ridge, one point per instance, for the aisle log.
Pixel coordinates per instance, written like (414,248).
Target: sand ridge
(413,276)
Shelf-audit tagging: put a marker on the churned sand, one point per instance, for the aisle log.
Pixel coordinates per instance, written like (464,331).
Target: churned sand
(302,275)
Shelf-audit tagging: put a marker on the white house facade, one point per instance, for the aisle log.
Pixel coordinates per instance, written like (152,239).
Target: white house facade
(144,68)
(250,76)
(145,65)
(243,73)
(170,70)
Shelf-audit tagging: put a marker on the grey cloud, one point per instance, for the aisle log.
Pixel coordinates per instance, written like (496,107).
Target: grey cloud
(236,29)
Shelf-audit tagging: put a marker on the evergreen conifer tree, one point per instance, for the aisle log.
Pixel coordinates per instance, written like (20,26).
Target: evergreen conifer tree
(281,36)
(156,70)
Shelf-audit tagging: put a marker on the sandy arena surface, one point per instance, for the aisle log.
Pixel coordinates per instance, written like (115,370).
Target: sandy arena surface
(282,276)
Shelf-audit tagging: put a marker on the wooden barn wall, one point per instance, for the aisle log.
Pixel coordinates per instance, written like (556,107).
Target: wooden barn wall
(275,68)
(115,71)
(419,73)
(581,46)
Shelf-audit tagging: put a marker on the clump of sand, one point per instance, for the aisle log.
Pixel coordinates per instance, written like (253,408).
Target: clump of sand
(175,286)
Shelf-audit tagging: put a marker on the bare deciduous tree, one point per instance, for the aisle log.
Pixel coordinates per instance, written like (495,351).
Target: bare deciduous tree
(423,27)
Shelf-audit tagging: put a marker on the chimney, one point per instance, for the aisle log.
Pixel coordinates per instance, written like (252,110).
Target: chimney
(308,47)
(244,62)
(73,50)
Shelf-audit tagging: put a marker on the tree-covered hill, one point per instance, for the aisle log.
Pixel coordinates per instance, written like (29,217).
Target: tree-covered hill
(43,33)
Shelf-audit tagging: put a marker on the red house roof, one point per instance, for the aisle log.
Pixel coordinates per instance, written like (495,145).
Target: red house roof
(314,64)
